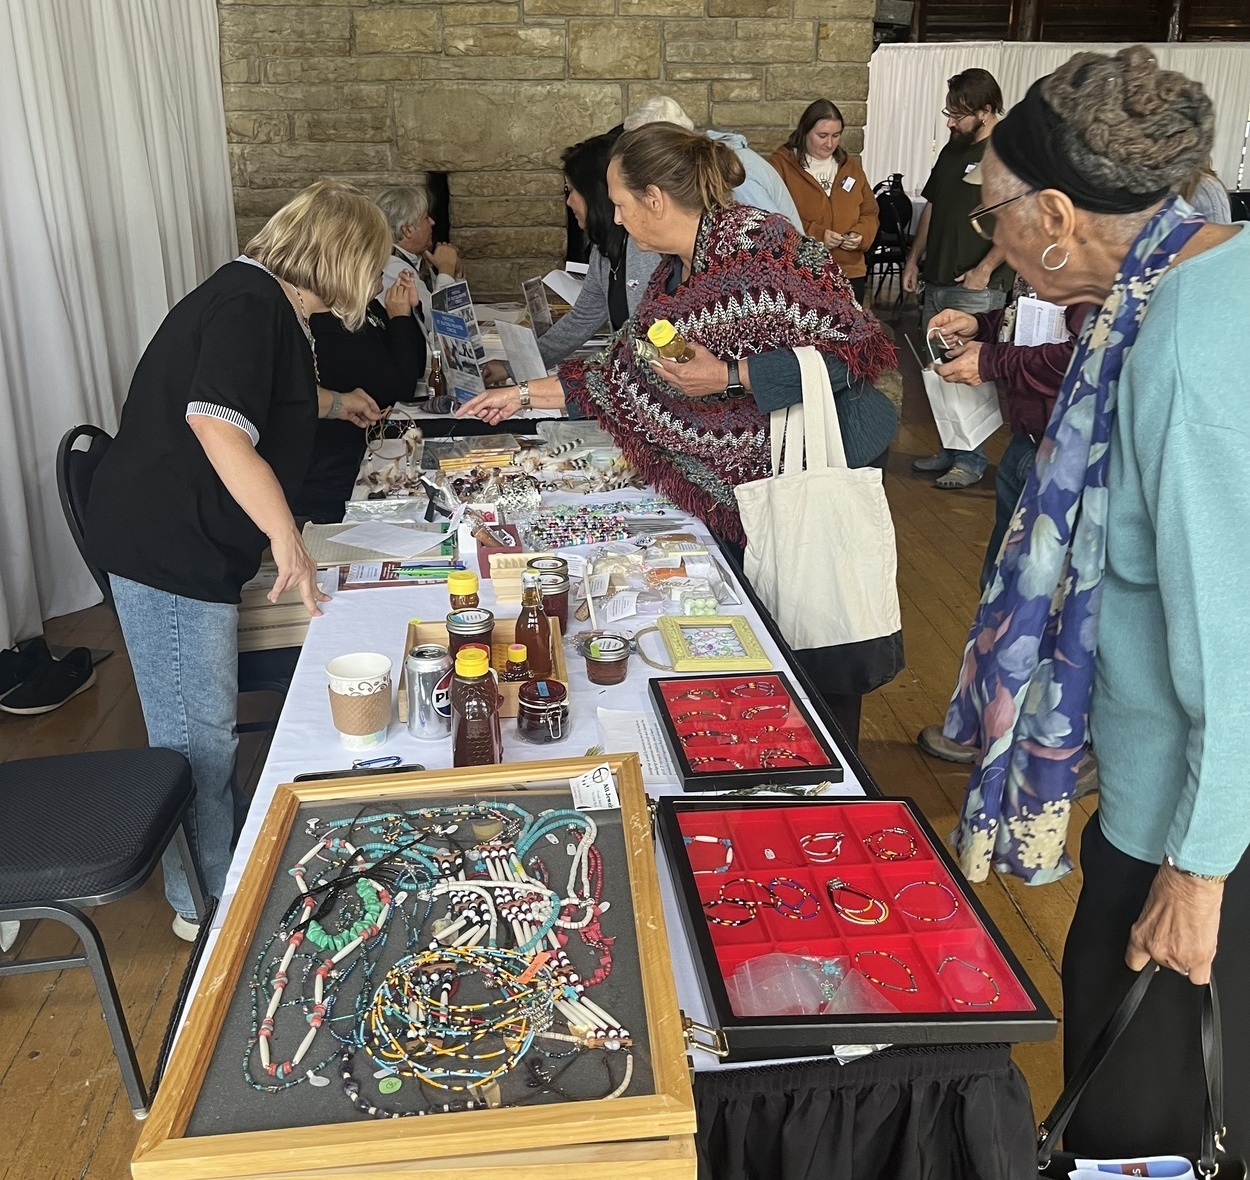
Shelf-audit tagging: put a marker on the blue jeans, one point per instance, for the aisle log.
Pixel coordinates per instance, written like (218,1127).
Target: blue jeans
(957,297)
(1013,474)
(184,653)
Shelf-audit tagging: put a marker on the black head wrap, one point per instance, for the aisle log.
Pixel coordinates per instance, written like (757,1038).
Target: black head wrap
(1030,140)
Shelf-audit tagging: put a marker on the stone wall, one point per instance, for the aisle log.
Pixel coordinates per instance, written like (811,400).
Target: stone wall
(379,93)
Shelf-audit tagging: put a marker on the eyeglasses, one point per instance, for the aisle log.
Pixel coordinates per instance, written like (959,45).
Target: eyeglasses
(959,116)
(984,221)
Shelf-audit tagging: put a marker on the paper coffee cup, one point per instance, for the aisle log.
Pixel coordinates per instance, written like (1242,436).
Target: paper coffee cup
(360,698)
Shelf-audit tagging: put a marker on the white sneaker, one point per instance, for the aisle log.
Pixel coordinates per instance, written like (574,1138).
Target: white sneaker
(185,928)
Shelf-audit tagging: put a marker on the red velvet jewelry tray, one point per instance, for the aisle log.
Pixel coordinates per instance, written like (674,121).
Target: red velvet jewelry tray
(754,877)
(724,731)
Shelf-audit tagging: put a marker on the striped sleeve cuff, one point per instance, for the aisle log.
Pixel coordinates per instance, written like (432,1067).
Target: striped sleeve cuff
(225,414)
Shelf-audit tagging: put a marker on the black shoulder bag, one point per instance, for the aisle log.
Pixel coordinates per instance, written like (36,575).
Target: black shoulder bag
(1211,1161)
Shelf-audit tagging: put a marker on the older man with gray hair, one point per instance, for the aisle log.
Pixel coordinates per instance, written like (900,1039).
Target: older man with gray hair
(762,188)
(407,212)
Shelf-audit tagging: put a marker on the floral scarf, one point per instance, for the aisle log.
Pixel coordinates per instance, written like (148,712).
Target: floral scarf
(755,285)
(1027,676)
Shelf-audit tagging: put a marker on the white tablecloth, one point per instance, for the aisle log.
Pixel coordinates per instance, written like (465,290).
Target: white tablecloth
(376,620)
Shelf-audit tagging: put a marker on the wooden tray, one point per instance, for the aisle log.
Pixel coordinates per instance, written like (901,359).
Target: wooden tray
(504,634)
(441,1144)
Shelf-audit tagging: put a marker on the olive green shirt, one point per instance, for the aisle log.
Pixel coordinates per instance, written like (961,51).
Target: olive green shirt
(953,246)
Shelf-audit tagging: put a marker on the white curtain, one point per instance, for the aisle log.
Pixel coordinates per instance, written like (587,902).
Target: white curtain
(115,200)
(907,88)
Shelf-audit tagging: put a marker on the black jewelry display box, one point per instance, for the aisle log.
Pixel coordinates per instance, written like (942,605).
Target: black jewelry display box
(863,893)
(730,730)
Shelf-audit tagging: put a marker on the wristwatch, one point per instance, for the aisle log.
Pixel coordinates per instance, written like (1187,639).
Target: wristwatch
(1217,879)
(735,388)
(524,391)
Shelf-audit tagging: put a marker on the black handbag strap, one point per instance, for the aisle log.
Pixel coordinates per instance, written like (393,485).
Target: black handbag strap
(1053,1125)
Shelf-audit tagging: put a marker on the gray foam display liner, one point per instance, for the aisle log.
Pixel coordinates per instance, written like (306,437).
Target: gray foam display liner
(227,1104)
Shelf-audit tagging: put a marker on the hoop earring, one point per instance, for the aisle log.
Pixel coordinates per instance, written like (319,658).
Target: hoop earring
(1045,254)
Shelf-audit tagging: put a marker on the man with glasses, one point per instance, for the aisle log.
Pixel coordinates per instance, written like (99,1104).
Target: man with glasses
(962,270)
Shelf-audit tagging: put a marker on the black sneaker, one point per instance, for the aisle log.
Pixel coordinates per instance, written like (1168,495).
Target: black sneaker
(52,683)
(18,663)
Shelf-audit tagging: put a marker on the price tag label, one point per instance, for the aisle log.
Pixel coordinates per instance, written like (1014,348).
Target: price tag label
(621,605)
(595,790)
(599,584)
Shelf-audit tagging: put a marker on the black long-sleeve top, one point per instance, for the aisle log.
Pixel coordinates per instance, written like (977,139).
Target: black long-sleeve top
(386,359)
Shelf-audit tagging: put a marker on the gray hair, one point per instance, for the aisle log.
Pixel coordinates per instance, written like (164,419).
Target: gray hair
(660,109)
(403,206)
(1127,123)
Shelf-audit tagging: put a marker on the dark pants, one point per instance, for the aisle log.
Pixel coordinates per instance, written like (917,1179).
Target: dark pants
(1147,1097)
(859,287)
(1013,473)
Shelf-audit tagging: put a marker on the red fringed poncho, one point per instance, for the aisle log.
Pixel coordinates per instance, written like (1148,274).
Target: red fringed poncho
(756,285)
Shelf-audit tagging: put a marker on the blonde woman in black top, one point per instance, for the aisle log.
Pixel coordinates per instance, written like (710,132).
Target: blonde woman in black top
(215,436)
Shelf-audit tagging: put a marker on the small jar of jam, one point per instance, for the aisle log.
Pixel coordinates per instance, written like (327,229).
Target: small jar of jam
(542,712)
(462,587)
(476,625)
(607,658)
(555,591)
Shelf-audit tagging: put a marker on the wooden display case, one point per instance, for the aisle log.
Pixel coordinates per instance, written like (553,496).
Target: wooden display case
(504,634)
(647,1132)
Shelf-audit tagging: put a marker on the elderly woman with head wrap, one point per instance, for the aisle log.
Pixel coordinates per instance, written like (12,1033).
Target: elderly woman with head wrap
(1118,611)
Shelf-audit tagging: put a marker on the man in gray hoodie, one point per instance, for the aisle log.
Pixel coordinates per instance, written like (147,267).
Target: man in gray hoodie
(762,188)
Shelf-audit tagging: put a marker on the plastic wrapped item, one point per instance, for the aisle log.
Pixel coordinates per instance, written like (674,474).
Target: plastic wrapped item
(658,575)
(779,984)
(697,598)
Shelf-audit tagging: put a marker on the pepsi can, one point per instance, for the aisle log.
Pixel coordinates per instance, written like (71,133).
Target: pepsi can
(427,678)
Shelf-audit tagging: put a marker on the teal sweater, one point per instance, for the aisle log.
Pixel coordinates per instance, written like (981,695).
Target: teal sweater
(1171,706)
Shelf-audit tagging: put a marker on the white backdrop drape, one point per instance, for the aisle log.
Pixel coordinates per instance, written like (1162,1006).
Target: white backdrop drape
(115,200)
(907,89)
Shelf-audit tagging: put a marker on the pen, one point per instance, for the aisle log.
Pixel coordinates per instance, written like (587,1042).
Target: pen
(431,565)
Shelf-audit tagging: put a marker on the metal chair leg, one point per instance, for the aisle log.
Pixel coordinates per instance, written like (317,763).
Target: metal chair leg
(123,1046)
(191,869)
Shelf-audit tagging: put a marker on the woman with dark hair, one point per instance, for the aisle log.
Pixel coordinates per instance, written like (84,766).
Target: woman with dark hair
(830,190)
(745,289)
(1117,610)
(618,270)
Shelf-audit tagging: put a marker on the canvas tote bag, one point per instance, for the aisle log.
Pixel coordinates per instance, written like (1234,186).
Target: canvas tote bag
(820,541)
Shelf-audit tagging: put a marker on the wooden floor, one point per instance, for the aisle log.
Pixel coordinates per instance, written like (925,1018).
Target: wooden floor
(63,1112)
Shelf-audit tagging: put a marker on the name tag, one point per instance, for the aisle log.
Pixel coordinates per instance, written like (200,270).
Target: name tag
(848,184)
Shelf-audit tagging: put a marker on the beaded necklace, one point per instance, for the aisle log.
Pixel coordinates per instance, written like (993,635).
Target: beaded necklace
(484,980)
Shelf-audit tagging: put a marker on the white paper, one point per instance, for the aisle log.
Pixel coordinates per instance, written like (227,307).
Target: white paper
(577,564)
(521,345)
(567,286)
(595,790)
(620,606)
(391,539)
(1174,1167)
(578,268)
(1039,322)
(598,586)
(628,732)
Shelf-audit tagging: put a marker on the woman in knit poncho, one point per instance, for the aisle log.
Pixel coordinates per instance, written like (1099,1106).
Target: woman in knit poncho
(744,289)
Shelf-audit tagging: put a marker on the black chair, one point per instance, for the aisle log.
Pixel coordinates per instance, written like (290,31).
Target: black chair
(259,671)
(84,830)
(888,253)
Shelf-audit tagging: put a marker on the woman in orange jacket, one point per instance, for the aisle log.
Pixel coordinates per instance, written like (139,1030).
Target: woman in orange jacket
(830,190)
